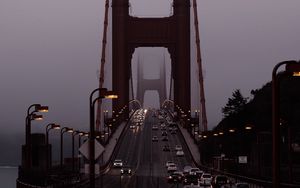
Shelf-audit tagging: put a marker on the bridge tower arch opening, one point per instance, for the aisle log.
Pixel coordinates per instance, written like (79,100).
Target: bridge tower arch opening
(151,70)
(129,33)
(151,99)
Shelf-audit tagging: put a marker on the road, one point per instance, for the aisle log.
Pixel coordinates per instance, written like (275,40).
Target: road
(145,157)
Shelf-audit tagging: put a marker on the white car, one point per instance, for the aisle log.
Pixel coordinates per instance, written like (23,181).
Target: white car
(168,163)
(179,153)
(172,167)
(205,179)
(118,163)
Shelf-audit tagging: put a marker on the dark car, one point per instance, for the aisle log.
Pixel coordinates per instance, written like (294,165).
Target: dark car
(166,148)
(219,180)
(165,138)
(190,179)
(125,170)
(164,133)
(175,177)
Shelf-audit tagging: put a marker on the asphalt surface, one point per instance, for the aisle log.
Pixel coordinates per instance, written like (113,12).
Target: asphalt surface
(145,157)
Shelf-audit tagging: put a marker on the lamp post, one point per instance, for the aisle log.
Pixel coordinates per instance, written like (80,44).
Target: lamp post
(62,131)
(79,144)
(29,117)
(292,68)
(103,93)
(48,128)
(74,133)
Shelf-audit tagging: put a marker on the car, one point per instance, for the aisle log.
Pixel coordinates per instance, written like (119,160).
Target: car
(196,171)
(175,177)
(163,128)
(186,169)
(132,126)
(164,138)
(154,139)
(191,179)
(173,132)
(169,163)
(154,127)
(178,147)
(166,148)
(172,167)
(219,180)
(125,170)
(118,163)
(205,179)
(164,133)
(242,185)
(179,153)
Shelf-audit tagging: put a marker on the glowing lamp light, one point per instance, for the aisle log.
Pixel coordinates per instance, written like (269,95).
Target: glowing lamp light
(55,126)
(215,134)
(43,109)
(231,130)
(110,95)
(293,68)
(221,133)
(37,117)
(248,127)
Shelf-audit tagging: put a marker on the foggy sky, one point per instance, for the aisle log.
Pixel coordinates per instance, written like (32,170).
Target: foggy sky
(50,53)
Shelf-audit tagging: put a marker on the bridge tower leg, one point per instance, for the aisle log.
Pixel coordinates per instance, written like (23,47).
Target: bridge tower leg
(182,89)
(120,55)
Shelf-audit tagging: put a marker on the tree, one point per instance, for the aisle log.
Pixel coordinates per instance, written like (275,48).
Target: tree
(235,104)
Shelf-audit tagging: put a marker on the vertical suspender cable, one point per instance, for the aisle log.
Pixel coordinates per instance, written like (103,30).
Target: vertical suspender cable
(101,78)
(131,82)
(199,62)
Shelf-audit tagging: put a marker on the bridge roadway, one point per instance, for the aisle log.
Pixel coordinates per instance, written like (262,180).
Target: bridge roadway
(145,157)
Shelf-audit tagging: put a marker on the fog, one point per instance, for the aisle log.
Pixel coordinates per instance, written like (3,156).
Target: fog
(50,54)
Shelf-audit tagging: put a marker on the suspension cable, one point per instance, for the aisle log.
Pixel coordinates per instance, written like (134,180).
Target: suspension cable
(101,78)
(199,62)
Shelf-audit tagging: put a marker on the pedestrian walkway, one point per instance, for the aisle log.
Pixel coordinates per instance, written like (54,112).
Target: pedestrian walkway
(191,144)
(109,148)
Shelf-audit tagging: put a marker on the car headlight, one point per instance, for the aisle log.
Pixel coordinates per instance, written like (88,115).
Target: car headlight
(122,170)
(170,177)
(129,170)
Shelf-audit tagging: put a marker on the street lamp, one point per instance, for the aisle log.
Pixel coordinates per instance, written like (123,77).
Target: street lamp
(29,117)
(48,128)
(292,68)
(103,93)
(62,131)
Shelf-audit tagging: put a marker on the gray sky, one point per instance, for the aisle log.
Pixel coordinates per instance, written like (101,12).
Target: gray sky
(50,49)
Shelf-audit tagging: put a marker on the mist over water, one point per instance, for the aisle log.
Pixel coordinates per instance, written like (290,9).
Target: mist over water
(8,176)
